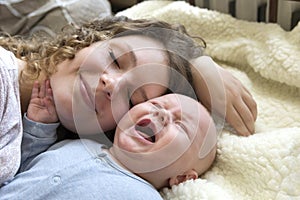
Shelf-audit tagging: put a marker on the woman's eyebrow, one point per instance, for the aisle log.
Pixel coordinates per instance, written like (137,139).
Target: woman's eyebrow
(132,55)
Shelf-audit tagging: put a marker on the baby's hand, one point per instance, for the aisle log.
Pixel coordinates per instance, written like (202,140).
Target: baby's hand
(41,106)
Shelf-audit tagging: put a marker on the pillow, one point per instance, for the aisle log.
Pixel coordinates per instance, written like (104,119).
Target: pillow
(46,17)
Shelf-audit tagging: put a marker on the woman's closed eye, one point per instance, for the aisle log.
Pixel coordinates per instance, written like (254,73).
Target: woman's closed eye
(113,57)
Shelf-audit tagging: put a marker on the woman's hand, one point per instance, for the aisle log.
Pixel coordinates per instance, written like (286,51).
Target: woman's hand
(41,107)
(221,92)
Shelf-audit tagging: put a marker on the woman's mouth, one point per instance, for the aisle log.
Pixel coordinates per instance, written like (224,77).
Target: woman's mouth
(86,93)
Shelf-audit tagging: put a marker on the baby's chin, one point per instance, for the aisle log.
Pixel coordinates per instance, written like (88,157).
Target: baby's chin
(209,159)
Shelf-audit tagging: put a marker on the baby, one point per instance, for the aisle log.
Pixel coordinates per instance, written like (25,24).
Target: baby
(164,141)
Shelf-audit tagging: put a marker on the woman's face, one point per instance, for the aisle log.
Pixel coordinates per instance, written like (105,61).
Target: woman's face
(95,89)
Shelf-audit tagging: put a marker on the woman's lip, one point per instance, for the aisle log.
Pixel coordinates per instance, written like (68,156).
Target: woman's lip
(86,95)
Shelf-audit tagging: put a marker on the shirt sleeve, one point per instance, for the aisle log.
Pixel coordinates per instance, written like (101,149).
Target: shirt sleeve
(37,138)
(10,117)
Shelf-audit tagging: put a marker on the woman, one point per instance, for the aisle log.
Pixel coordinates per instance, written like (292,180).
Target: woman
(86,68)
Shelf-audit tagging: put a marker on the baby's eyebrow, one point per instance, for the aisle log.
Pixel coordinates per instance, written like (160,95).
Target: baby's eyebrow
(144,94)
(185,129)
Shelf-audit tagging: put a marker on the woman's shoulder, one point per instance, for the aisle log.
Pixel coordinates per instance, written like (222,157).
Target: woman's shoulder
(7,59)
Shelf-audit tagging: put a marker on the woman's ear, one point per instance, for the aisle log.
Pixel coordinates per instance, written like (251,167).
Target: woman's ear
(188,175)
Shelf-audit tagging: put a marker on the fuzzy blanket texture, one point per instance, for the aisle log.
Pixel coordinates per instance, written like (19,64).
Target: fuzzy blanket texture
(266,59)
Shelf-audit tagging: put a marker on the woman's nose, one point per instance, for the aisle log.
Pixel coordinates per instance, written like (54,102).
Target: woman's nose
(109,83)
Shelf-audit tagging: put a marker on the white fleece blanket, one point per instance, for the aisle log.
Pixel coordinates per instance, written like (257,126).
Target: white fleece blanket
(266,59)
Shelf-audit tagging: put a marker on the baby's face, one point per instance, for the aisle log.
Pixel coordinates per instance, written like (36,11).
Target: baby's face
(155,134)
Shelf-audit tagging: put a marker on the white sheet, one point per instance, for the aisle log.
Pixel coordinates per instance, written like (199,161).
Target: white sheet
(266,59)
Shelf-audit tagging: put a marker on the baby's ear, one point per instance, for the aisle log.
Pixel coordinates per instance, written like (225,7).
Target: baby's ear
(188,175)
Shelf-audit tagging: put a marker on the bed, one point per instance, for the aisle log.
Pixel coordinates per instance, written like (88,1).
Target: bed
(266,58)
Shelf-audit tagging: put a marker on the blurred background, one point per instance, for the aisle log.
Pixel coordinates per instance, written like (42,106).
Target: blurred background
(284,12)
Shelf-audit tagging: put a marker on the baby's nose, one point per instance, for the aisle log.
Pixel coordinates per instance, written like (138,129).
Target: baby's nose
(163,116)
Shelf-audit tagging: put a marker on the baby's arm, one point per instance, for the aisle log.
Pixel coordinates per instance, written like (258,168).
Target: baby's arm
(214,85)
(41,106)
(39,129)
(37,138)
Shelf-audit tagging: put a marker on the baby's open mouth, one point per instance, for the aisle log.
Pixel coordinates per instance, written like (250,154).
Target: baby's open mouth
(145,129)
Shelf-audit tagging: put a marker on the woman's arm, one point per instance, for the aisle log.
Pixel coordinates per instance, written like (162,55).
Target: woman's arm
(10,117)
(224,95)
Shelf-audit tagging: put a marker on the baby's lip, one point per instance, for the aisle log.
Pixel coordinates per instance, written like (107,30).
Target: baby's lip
(146,129)
(144,122)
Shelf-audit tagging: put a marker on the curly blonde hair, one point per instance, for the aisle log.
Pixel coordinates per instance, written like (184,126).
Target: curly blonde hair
(43,55)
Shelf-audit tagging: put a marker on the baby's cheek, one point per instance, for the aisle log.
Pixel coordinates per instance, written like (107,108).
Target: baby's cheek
(177,144)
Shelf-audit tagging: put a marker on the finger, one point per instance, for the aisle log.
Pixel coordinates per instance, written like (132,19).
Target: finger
(250,102)
(246,115)
(49,94)
(245,89)
(48,84)
(35,90)
(49,104)
(51,109)
(42,90)
(49,98)
(235,120)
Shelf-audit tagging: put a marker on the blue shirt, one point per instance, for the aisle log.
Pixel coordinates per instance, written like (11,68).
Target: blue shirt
(71,169)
